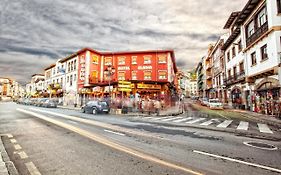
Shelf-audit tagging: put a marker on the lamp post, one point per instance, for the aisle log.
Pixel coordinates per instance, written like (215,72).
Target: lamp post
(109,71)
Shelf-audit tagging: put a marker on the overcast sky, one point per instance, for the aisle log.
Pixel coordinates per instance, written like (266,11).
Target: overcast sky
(35,33)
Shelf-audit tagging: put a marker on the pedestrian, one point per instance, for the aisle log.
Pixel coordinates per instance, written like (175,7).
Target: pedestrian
(157,106)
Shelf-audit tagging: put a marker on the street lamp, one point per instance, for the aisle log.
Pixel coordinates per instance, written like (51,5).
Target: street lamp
(109,71)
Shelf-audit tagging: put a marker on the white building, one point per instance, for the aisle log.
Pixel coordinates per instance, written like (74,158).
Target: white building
(252,54)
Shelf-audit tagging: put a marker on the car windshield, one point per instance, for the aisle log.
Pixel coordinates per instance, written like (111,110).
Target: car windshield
(103,103)
(214,101)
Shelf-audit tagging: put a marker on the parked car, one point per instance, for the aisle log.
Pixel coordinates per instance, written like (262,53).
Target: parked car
(204,102)
(215,104)
(95,107)
(49,103)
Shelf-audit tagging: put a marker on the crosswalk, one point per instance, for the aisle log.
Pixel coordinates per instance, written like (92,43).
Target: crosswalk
(219,123)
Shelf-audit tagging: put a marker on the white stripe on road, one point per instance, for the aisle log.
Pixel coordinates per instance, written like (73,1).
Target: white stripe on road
(113,132)
(158,118)
(169,119)
(225,124)
(70,121)
(32,168)
(182,120)
(238,161)
(264,128)
(196,120)
(243,125)
(10,136)
(13,140)
(147,117)
(17,147)
(22,155)
(209,122)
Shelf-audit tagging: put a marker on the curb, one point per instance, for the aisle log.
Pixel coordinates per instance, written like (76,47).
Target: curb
(9,164)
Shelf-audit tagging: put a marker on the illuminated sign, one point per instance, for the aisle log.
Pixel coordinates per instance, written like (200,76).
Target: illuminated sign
(123,68)
(144,67)
(148,86)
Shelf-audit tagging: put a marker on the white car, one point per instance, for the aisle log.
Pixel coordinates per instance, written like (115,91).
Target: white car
(204,102)
(215,104)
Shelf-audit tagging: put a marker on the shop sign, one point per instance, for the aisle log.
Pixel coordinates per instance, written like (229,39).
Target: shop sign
(144,67)
(148,86)
(123,68)
(124,82)
(124,89)
(97,89)
(124,85)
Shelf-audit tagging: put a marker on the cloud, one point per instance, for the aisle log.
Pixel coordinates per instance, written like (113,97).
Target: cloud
(35,33)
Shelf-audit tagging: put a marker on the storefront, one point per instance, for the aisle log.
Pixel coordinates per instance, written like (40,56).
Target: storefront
(236,98)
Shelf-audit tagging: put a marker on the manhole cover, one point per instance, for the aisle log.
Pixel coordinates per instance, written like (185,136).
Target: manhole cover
(261,145)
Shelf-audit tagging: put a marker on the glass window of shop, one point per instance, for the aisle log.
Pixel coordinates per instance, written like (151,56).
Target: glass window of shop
(162,75)
(147,75)
(147,59)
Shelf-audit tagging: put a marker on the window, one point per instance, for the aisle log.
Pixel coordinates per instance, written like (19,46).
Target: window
(147,59)
(74,64)
(264,53)
(107,61)
(239,46)
(162,58)
(278,6)
(134,75)
(162,75)
(70,80)
(121,75)
(241,67)
(229,73)
(121,60)
(228,56)
(147,75)
(68,67)
(67,79)
(95,76)
(74,77)
(233,52)
(234,71)
(134,59)
(95,59)
(253,58)
(250,28)
(262,17)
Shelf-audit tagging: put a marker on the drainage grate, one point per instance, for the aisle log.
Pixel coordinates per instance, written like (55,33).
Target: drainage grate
(261,145)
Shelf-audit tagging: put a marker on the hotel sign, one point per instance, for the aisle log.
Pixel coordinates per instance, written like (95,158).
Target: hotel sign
(144,67)
(123,68)
(148,86)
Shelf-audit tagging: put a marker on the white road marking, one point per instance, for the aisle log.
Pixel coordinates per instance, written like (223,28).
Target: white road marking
(238,161)
(147,117)
(158,118)
(169,119)
(22,155)
(243,125)
(113,132)
(70,121)
(209,122)
(32,168)
(196,120)
(225,124)
(10,136)
(182,120)
(17,147)
(13,140)
(264,128)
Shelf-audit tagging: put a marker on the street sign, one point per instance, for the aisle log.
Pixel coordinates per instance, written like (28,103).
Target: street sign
(124,89)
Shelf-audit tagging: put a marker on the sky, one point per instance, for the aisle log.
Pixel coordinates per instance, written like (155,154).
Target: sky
(35,33)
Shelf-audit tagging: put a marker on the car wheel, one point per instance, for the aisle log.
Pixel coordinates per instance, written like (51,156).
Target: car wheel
(95,111)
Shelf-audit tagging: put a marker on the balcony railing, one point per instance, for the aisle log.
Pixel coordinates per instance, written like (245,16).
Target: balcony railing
(235,78)
(259,32)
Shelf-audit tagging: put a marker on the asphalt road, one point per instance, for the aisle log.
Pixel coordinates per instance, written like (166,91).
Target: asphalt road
(59,141)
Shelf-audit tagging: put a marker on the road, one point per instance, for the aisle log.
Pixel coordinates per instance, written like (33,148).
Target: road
(60,141)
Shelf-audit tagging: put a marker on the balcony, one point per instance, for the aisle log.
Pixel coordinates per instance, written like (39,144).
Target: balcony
(259,32)
(236,78)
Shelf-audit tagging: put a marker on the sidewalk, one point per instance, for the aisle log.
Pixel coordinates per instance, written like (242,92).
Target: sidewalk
(260,117)
(6,166)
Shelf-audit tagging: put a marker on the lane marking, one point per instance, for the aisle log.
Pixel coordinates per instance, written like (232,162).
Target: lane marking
(113,132)
(10,136)
(196,120)
(243,125)
(32,168)
(22,155)
(70,121)
(111,144)
(264,128)
(169,119)
(209,122)
(158,118)
(17,147)
(13,140)
(225,124)
(182,120)
(238,161)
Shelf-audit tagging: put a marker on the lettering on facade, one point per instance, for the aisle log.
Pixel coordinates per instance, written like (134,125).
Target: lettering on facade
(148,86)
(144,67)
(82,70)
(123,68)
